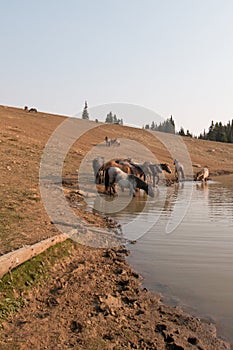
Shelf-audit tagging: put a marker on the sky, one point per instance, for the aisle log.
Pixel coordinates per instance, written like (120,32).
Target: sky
(173,57)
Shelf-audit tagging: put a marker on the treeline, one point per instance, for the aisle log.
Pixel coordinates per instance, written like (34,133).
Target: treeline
(219,132)
(167,125)
(110,118)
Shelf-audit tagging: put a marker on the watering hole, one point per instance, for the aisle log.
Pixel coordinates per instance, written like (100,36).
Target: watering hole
(184,247)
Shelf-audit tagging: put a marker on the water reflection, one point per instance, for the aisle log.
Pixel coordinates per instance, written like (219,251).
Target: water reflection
(195,262)
(221,204)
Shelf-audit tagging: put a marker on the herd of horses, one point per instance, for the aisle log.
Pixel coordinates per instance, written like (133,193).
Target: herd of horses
(112,142)
(128,174)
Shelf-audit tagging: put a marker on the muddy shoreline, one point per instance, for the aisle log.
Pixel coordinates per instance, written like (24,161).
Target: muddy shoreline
(95,300)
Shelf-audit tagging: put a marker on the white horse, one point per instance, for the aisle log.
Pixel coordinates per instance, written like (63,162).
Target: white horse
(116,175)
(179,170)
(110,142)
(157,169)
(203,174)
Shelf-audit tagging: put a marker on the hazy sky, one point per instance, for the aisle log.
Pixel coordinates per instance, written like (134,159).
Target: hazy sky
(170,56)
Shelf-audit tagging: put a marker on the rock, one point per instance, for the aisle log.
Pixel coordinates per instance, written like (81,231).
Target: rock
(76,327)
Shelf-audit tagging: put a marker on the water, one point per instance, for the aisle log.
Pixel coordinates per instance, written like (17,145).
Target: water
(190,262)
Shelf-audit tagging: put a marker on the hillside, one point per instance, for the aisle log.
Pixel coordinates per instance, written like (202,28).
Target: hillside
(23,136)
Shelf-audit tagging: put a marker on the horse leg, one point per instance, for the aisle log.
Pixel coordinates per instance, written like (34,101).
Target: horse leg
(106,180)
(182,174)
(113,188)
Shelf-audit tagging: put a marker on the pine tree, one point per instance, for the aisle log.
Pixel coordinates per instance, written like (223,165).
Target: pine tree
(219,132)
(115,120)
(85,114)
(181,132)
(109,118)
(153,126)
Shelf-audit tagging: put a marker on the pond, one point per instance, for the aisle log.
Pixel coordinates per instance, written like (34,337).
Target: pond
(184,247)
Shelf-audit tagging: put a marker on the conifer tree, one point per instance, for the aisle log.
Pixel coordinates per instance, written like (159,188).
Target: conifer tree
(85,114)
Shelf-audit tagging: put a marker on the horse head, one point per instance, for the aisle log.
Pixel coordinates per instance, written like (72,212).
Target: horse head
(166,167)
(150,191)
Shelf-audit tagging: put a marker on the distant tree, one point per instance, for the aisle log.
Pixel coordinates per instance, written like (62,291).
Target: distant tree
(219,132)
(112,119)
(153,126)
(167,126)
(109,118)
(181,132)
(188,134)
(147,126)
(85,114)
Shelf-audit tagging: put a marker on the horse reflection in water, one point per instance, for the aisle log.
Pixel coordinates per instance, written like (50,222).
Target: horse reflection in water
(115,175)
(173,196)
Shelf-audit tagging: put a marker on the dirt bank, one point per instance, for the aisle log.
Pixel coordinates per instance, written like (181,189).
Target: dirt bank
(93,300)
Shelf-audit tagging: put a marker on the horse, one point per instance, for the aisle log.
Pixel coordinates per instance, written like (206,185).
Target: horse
(146,170)
(179,170)
(139,170)
(32,110)
(110,142)
(116,175)
(157,169)
(111,163)
(203,174)
(97,164)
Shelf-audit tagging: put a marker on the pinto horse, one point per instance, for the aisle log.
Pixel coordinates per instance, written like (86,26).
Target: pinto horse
(116,175)
(111,163)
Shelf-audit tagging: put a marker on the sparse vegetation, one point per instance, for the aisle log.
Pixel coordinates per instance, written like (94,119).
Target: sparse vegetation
(14,285)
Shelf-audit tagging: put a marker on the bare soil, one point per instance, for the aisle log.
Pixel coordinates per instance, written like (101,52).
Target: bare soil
(92,299)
